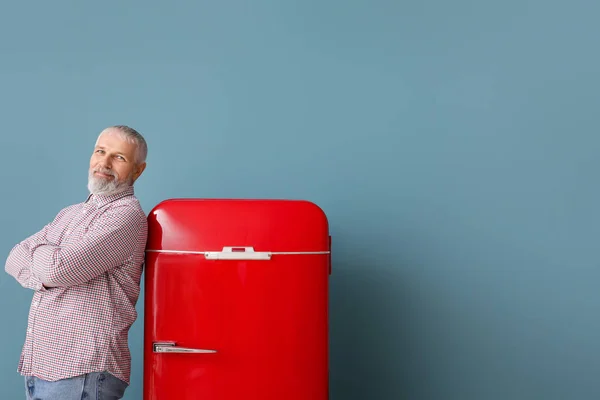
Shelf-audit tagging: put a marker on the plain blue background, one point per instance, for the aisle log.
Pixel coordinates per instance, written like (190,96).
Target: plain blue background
(453,145)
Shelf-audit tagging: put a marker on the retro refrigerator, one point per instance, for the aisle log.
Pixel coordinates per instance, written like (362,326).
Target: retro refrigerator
(236,300)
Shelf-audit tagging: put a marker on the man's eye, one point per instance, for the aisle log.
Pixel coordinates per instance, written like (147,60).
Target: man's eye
(99,151)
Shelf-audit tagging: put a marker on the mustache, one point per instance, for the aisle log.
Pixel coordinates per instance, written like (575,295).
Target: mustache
(105,171)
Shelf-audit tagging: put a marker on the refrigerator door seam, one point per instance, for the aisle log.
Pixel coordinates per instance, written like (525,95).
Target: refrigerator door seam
(216,252)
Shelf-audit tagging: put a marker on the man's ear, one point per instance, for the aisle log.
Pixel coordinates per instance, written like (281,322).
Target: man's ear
(138,170)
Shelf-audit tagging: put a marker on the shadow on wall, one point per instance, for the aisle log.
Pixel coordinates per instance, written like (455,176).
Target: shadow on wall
(373,347)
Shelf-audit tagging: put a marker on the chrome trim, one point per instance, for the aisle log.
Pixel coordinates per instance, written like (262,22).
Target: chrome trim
(235,255)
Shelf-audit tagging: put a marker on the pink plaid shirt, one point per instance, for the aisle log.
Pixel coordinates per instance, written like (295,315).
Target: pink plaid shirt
(84,268)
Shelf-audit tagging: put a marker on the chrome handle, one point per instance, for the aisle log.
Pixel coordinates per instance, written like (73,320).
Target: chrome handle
(237,253)
(169,347)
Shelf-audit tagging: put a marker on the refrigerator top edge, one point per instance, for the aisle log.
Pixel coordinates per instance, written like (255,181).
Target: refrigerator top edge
(211,225)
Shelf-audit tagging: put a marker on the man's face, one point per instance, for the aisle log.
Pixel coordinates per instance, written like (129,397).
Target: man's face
(113,166)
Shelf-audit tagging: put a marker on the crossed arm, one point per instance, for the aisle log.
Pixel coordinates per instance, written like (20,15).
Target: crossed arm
(20,259)
(38,264)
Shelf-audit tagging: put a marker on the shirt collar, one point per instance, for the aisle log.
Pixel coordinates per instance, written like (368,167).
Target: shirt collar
(101,199)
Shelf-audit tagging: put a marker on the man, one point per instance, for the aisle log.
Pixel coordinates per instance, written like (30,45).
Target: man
(85,268)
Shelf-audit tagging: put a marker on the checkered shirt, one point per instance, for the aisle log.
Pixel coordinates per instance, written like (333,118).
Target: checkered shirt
(85,269)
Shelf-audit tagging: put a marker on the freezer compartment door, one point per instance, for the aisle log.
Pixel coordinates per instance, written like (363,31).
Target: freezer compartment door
(192,225)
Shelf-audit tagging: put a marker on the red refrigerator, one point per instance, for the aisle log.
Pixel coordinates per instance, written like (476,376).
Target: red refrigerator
(236,301)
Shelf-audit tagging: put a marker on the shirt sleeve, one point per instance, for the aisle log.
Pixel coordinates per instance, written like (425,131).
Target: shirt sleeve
(20,259)
(109,242)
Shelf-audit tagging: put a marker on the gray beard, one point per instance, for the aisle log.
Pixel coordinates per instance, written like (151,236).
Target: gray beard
(106,187)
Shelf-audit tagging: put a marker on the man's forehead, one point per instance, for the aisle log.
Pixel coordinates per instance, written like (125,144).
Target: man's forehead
(112,137)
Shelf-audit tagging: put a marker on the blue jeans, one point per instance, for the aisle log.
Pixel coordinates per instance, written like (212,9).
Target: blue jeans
(92,386)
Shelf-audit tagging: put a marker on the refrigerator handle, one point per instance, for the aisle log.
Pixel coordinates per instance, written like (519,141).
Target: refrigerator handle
(329,256)
(169,347)
(237,253)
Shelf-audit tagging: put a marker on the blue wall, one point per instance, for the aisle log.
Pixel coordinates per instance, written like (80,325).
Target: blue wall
(453,145)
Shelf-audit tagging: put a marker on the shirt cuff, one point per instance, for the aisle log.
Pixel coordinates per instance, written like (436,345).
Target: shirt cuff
(36,284)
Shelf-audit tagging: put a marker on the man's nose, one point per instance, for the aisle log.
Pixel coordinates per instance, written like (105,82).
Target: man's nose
(105,163)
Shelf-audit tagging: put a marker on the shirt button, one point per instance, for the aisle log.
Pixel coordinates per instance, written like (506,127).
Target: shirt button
(30,330)
(36,303)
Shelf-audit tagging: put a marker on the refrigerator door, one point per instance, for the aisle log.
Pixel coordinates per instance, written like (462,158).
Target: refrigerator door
(236,302)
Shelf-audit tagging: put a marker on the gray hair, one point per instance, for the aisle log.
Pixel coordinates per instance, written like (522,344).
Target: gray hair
(132,136)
